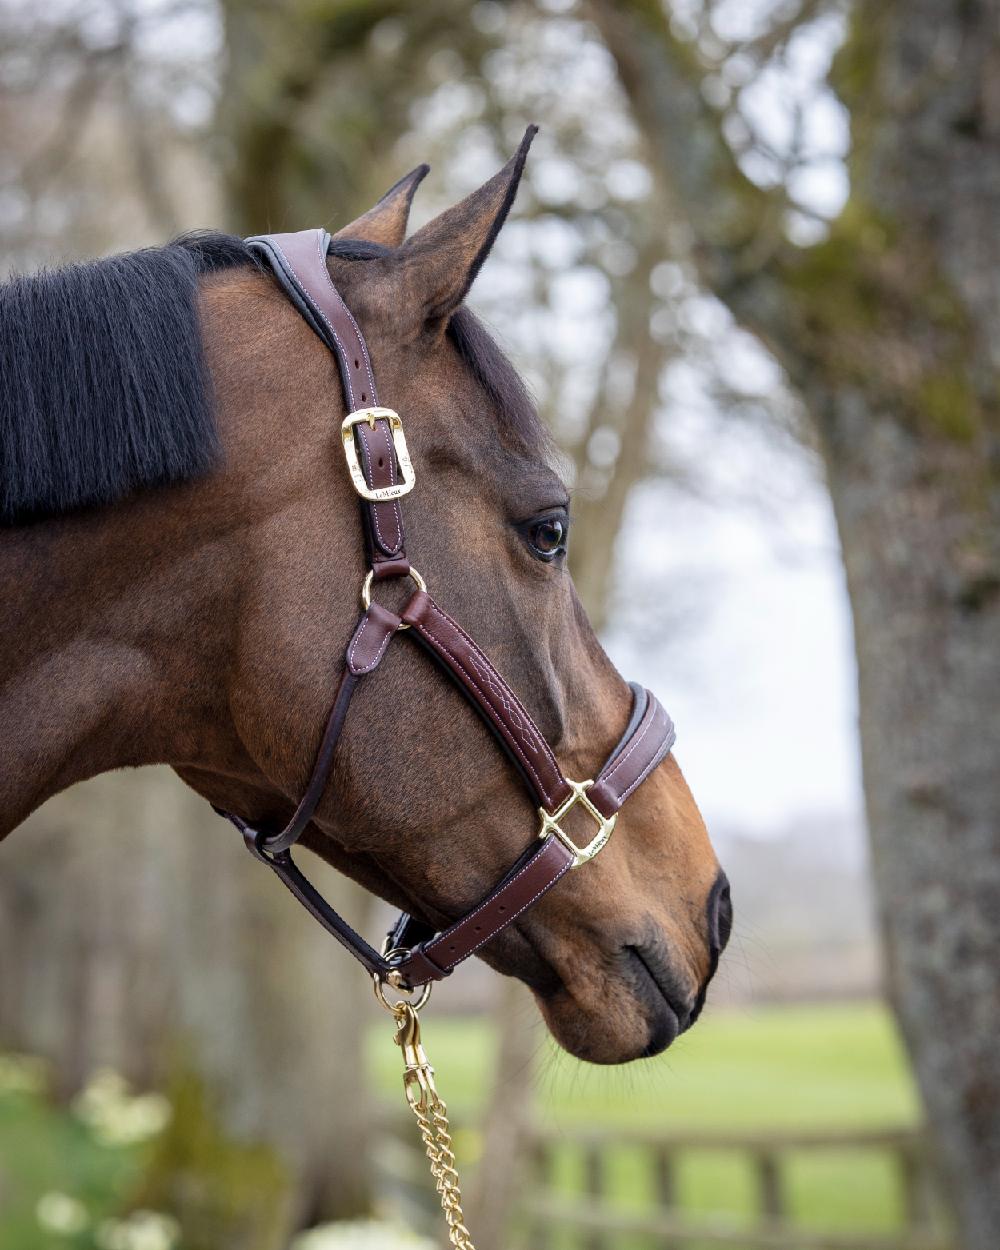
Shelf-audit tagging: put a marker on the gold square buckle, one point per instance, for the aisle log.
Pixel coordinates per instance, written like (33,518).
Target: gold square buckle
(377,494)
(605,824)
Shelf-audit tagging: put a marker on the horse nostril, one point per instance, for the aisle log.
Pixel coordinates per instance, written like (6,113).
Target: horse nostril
(720,914)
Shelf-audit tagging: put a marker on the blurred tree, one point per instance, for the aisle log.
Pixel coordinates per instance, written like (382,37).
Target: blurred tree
(315,95)
(135,934)
(887,323)
(255,116)
(271,1026)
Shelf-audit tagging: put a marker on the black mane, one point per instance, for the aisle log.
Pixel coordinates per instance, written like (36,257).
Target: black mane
(103,385)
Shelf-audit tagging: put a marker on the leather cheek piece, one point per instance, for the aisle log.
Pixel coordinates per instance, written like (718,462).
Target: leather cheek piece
(298,261)
(299,265)
(499,706)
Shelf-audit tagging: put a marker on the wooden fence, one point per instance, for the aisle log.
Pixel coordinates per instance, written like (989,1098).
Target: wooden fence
(550,1218)
(663,1223)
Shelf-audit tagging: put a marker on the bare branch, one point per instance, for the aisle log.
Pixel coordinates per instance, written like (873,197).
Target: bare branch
(735,223)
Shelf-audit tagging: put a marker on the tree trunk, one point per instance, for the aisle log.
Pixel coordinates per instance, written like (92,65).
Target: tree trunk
(890,331)
(927,625)
(312,104)
(493,1196)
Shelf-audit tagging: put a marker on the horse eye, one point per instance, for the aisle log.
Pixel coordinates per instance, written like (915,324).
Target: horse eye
(548,537)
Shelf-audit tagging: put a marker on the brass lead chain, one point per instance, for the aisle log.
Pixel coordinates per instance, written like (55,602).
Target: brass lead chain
(437,1143)
(432,1117)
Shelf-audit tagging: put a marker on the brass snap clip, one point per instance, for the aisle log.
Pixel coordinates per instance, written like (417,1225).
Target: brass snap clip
(418,1075)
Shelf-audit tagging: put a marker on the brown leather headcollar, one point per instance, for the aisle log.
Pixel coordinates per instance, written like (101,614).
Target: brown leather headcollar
(380,468)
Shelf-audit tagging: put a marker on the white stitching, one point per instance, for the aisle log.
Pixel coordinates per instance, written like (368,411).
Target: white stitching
(349,384)
(522,710)
(440,941)
(542,789)
(350,316)
(487,672)
(534,898)
(367,668)
(478,656)
(653,763)
(372,395)
(326,319)
(618,763)
(513,742)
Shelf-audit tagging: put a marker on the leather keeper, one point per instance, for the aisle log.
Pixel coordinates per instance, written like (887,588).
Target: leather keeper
(372,636)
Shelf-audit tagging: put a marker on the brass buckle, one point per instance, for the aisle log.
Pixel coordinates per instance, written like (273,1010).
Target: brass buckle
(605,824)
(377,494)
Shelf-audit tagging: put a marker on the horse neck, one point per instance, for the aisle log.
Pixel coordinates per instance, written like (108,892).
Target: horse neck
(102,630)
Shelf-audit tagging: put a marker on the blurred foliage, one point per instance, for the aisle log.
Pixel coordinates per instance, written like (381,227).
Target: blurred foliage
(778,1067)
(67,1175)
(836,1066)
(96,1175)
(230,1192)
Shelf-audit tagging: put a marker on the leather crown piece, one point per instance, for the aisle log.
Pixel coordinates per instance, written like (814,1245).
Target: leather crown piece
(382,473)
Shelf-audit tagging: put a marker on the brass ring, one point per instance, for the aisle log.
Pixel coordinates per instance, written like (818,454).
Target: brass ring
(366,588)
(415,1000)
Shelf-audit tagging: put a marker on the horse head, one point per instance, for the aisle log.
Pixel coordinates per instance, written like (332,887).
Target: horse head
(184,564)
(421,807)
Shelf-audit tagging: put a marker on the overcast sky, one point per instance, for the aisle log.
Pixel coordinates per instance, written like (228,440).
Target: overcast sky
(760,678)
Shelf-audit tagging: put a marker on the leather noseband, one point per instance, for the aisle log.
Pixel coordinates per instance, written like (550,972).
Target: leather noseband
(382,473)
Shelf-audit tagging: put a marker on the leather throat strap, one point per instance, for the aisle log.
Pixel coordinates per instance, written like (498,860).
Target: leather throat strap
(416,954)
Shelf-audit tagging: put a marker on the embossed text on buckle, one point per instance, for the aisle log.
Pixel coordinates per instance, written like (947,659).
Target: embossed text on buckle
(377,494)
(605,824)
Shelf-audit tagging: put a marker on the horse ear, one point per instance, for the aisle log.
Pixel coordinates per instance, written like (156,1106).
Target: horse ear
(442,259)
(386,222)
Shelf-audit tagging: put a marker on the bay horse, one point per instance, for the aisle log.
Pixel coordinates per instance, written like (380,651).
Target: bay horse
(181,558)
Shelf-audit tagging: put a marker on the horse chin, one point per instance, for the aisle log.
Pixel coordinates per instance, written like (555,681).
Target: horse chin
(617,1030)
(606,1008)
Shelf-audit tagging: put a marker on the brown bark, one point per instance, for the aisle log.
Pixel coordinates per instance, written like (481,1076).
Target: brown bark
(889,330)
(310,109)
(493,1196)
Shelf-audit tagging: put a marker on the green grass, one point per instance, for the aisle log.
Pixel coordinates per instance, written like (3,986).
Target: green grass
(812,1068)
(778,1067)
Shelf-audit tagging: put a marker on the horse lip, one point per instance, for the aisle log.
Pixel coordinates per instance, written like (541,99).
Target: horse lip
(657,971)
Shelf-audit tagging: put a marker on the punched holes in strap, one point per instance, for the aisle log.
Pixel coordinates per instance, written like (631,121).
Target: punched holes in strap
(299,264)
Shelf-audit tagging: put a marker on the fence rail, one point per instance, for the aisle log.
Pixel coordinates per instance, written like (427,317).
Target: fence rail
(666,1228)
(591,1222)
(665,1224)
